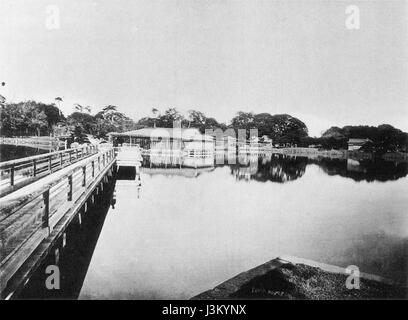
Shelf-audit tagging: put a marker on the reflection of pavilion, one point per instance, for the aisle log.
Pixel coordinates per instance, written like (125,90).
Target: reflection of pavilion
(184,172)
(354,165)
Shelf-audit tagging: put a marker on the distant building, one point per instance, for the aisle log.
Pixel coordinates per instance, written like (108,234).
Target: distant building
(195,149)
(356,144)
(225,141)
(266,139)
(167,138)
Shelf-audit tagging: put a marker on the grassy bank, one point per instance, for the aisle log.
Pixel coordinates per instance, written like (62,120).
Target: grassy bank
(299,281)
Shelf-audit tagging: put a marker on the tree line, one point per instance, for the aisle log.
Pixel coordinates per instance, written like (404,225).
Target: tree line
(37,118)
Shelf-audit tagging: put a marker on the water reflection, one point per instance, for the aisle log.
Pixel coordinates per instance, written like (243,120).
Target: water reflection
(11,152)
(277,168)
(283,168)
(364,170)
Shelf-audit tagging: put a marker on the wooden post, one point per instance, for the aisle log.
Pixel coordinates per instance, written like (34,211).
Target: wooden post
(61,159)
(70,157)
(84,176)
(70,188)
(46,214)
(12,175)
(50,163)
(93,168)
(34,167)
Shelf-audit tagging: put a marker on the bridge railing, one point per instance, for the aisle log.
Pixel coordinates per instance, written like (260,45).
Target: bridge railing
(28,216)
(15,174)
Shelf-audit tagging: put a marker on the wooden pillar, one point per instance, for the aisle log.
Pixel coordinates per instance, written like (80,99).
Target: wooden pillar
(12,175)
(69,188)
(84,176)
(34,168)
(56,256)
(46,212)
(64,239)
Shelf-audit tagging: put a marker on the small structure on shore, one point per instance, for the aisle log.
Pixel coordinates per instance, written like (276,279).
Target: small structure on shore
(195,149)
(356,144)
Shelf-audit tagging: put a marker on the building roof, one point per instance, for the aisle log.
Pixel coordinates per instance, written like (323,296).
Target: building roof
(175,133)
(358,141)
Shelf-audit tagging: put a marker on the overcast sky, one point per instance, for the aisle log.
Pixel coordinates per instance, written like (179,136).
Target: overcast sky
(294,57)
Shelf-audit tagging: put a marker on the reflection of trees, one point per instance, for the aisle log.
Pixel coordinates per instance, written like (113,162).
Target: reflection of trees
(279,168)
(11,152)
(364,170)
(282,168)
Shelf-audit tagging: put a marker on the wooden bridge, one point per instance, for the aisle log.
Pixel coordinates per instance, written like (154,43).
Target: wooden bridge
(39,197)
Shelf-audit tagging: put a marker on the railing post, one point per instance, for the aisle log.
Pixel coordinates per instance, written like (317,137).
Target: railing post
(77,153)
(12,175)
(70,156)
(50,163)
(93,168)
(34,167)
(103,160)
(69,198)
(84,176)
(99,163)
(61,158)
(46,215)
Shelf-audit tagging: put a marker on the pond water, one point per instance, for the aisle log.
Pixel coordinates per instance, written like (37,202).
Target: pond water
(11,152)
(184,231)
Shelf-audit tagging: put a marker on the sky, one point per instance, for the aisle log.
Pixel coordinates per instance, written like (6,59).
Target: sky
(216,56)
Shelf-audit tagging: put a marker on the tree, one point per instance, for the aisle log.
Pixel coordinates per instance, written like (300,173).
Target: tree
(35,119)
(334,132)
(109,112)
(29,117)
(83,120)
(170,116)
(280,127)
(155,112)
(78,107)
(243,120)
(385,138)
(2,100)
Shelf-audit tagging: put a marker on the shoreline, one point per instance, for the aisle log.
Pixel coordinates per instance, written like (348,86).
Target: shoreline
(289,277)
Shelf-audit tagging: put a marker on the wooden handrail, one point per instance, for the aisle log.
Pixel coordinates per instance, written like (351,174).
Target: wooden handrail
(45,155)
(8,206)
